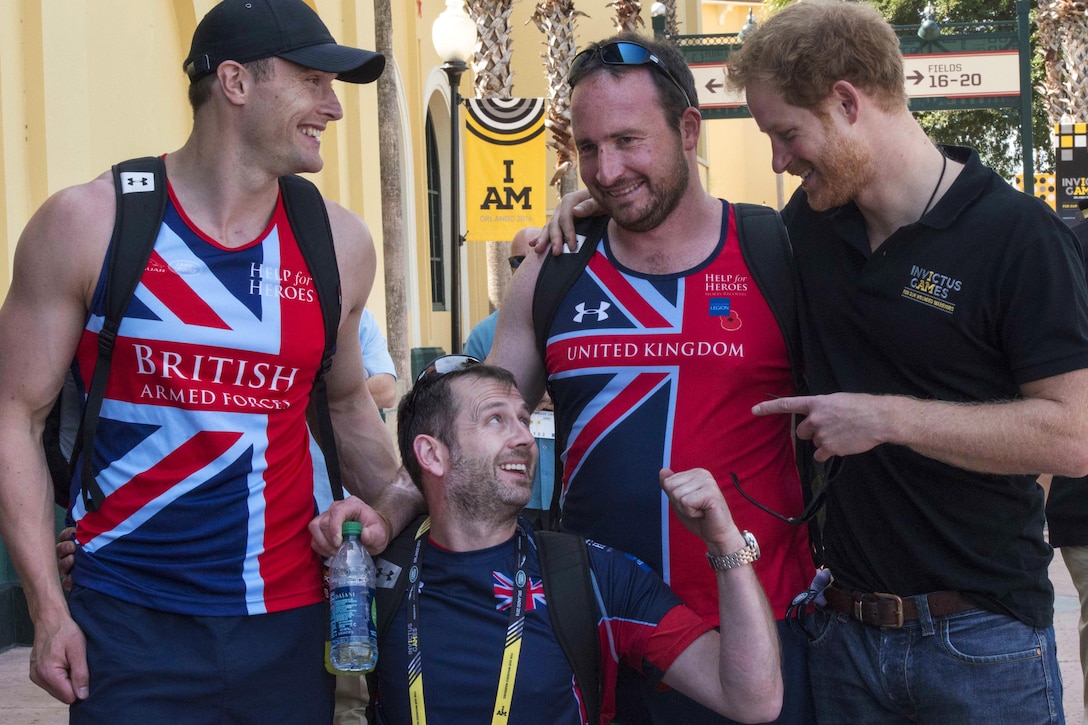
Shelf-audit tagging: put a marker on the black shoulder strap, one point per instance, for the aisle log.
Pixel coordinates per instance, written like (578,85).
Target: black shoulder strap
(572,606)
(767,251)
(558,273)
(392,568)
(557,276)
(391,583)
(309,221)
(766,248)
(140,186)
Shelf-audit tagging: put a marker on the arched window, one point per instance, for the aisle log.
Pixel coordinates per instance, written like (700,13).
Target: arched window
(435,216)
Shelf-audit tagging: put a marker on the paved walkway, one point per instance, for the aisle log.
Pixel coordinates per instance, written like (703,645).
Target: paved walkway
(22,703)
(1066,620)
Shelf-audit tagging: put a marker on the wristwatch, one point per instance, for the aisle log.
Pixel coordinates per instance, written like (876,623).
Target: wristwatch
(744,556)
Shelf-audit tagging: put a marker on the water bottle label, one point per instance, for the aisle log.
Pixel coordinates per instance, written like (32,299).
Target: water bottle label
(352,612)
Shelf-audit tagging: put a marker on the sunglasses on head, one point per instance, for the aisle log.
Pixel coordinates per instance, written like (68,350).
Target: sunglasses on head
(444,365)
(625,52)
(515,261)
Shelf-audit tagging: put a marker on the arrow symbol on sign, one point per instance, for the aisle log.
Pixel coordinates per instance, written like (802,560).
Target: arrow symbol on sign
(916,77)
(712,85)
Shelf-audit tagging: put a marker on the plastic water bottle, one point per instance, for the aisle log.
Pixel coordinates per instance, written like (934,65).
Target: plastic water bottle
(353,637)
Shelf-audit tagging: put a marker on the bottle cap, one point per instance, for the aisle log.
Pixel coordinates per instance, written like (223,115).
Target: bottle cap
(351,527)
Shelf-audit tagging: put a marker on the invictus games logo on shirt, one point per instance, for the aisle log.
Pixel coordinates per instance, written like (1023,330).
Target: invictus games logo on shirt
(932,288)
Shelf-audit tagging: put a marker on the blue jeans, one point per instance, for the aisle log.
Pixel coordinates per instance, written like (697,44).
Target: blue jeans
(970,667)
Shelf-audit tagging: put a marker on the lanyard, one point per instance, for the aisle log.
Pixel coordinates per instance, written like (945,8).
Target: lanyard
(511,651)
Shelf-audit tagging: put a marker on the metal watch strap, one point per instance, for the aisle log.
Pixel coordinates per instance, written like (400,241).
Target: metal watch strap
(741,557)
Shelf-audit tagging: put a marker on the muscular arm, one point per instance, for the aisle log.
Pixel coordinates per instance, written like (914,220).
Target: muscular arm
(368,460)
(736,672)
(514,347)
(1045,430)
(57,262)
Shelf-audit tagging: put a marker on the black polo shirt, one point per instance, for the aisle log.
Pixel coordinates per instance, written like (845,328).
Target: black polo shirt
(983,295)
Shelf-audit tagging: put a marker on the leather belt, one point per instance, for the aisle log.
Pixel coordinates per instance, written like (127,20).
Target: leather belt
(888,610)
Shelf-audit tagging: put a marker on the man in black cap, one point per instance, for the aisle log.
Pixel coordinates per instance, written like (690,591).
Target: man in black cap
(197,597)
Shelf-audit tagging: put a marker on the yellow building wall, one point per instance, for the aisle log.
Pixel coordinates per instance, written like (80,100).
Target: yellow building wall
(738,155)
(85,84)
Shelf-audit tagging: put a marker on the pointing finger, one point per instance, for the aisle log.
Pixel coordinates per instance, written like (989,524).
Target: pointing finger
(797,404)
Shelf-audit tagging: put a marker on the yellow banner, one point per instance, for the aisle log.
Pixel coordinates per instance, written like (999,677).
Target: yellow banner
(505,173)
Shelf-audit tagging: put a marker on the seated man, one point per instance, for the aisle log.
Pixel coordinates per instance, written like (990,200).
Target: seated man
(465,440)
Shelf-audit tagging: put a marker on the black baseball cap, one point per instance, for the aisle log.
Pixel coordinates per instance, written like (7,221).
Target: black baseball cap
(248,30)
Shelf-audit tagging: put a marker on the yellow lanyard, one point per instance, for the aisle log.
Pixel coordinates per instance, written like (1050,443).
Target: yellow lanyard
(511,653)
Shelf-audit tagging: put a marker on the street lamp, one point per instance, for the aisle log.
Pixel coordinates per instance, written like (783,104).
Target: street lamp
(929,30)
(748,26)
(454,38)
(658,11)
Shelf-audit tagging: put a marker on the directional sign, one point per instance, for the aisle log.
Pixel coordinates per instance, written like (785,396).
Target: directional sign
(963,75)
(981,64)
(714,92)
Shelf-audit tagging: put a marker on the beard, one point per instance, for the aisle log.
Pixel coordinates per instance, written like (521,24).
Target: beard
(477,492)
(665,193)
(844,167)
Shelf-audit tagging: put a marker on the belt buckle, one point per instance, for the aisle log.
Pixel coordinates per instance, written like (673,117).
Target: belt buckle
(880,596)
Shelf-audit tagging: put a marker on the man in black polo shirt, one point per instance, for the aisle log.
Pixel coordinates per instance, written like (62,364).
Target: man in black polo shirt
(946,349)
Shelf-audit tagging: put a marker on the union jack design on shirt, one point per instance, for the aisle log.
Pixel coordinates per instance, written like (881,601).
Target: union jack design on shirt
(504,592)
(202,446)
(653,371)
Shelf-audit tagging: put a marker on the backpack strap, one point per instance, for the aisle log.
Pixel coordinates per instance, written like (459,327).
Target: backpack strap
(766,249)
(309,220)
(557,275)
(572,607)
(391,584)
(140,187)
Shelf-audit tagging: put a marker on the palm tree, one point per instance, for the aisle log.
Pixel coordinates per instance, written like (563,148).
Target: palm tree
(1050,47)
(555,19)
(628,15)
(389,125)
(1071,19)
(493,79)
(491,62)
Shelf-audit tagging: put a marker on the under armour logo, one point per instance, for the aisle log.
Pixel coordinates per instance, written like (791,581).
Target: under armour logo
(599,312)
(386,574)
(137,181)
